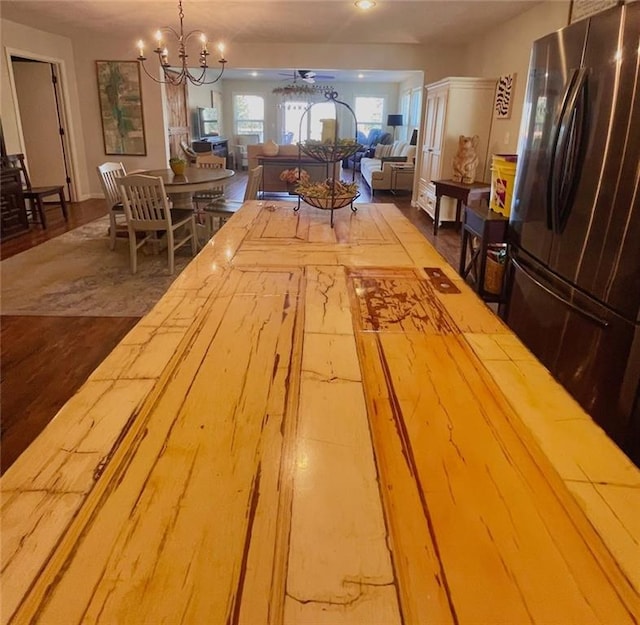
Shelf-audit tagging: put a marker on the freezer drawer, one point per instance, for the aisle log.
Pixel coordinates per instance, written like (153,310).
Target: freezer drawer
(592,352)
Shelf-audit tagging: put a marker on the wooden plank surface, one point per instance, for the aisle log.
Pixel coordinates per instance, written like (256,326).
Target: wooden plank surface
(304,431)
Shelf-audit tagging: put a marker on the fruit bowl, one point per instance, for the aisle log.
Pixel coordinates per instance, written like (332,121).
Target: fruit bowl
(329,203)
(330,151)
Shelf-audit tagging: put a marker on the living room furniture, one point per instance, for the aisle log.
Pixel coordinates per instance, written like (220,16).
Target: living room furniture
(147,210)
(219,146)
(109,174)
(375,137)
(241,150)
(377,172)
(401,176)
(36,195)
(454,107)
(13,212)
(481,228)
(461,192)
(394,121)
(273,166)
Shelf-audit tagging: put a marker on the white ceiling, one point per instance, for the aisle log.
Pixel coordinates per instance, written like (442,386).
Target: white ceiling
(274,21)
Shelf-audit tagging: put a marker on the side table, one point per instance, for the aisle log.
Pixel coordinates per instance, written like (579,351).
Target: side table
(464,193)
(490,227)
(401,173)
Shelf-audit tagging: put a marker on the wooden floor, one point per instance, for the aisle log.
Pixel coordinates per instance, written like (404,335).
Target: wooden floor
(44,360)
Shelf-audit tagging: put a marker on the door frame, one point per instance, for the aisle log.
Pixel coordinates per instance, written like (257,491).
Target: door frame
(63,81)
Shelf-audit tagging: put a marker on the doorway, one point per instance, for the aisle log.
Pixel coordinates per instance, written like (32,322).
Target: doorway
(42,119)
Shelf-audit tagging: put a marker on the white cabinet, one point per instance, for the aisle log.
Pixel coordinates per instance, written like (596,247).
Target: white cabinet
(454,107)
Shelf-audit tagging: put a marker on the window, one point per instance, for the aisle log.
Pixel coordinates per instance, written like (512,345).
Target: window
(293,112)
(323,110)
(248,115)
(368,112)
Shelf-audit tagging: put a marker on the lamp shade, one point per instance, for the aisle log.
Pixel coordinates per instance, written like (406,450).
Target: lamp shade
(394,120)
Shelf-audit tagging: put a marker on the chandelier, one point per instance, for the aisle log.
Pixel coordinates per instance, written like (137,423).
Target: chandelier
(292,93)
(184,73)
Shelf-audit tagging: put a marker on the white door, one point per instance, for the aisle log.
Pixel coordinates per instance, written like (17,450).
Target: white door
(40,123)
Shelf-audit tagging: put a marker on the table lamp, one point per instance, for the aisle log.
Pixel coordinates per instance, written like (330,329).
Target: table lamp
(393,121)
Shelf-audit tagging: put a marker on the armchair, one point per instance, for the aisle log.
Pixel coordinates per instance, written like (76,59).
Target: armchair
(242,141)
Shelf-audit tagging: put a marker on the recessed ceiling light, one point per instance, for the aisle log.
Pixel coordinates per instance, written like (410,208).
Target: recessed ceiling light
(254,73)
(360,75)
(365,4)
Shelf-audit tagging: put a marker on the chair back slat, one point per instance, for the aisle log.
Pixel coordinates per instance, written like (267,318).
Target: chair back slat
(253,184)
(17,162)
(145,200)
(211,161)
(109,173)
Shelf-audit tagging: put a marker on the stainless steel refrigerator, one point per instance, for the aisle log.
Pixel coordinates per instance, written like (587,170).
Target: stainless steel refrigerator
(573,287)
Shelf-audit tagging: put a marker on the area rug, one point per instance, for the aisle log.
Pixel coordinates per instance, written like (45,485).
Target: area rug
(77,275)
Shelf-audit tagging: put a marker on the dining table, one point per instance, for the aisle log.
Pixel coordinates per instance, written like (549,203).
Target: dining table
(182,186)
(321,425)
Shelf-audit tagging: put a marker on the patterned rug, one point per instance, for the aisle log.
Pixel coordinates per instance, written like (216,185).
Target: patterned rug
(77,275)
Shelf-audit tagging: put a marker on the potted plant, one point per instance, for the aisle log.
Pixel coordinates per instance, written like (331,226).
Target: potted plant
(178,165)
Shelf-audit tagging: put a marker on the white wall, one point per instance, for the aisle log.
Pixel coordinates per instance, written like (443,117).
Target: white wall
(506,50)
(347,92)
(80,53)
(24,41)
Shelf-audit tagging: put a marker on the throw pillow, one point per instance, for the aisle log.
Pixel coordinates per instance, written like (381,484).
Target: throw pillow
(382,150)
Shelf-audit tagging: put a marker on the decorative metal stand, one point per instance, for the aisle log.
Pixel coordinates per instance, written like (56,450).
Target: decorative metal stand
(331,154)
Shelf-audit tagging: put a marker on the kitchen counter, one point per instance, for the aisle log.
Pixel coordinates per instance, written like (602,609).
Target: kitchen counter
(321,425)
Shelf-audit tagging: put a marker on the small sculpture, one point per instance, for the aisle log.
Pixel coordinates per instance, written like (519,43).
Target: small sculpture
(465,161)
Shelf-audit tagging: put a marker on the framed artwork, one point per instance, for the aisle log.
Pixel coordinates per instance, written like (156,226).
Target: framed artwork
(580,9)
(121,107)
(504,95)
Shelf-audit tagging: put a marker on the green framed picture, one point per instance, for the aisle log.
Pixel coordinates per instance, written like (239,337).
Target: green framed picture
(120,98)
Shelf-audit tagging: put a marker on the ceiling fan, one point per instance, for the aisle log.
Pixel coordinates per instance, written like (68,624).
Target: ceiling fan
(307,76)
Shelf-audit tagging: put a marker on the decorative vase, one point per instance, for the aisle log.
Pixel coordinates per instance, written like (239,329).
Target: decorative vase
(270,148)
(178,167)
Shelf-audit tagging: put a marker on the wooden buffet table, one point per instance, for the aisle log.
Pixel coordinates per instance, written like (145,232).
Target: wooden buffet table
(462,192)
(311,428)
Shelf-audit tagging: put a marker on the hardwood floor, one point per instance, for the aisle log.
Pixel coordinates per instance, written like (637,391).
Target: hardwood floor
(44,360)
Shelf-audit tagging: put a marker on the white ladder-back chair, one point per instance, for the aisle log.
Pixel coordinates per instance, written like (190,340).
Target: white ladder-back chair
(147,210)
(109,173)
(221,211)
(209,161)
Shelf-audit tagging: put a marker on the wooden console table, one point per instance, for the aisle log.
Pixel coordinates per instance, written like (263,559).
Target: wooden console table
(272,166)
(464,193)
(491,228)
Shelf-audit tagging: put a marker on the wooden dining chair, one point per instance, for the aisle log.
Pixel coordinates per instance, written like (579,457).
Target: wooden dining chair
(220,211)
(209,161)
(35,195)
(147,210)
(109,173)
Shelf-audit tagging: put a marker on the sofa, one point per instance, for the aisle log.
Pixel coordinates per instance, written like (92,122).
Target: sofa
(377,171)
(375,137)
(287,158)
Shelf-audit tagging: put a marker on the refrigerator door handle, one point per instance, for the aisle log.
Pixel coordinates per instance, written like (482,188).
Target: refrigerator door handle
(567,138)
(597,320)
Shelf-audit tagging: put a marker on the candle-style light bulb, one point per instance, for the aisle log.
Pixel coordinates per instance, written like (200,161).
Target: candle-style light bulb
(203,39)
(165,56)
(159,38)
(141,47)
(221,50)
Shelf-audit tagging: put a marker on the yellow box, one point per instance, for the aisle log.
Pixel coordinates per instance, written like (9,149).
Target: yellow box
(503,174)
